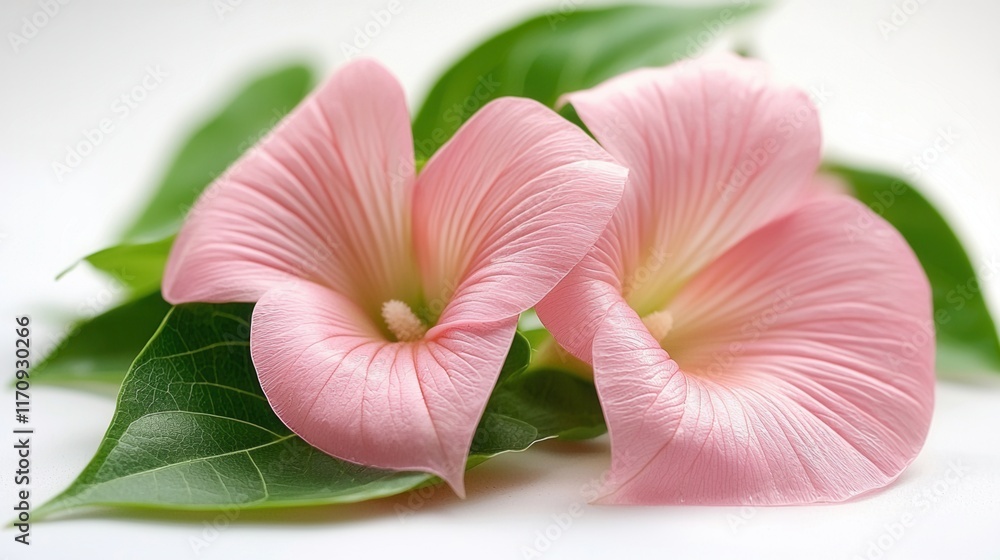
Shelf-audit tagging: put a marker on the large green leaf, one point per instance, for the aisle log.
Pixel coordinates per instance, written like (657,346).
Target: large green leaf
(564,51)
(966,334)
(139,266)
(101,349)
(192,429)
(558,402)
(215,145)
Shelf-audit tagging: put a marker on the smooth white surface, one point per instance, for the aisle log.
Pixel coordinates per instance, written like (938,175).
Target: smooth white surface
(887,100)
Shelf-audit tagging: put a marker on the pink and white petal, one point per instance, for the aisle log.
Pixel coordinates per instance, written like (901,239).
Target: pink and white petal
(504,210)
(800,369)
(333,378)
(322,197)
(715,149)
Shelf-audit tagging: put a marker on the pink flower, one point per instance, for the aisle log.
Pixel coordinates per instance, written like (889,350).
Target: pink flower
(754,338)
(387,301)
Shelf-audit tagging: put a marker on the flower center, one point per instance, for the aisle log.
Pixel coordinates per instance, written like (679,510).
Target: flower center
(659,324)
(402,322)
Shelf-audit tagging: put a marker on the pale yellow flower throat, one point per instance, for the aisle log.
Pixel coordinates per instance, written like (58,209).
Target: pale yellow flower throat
(659,324)
(402,322)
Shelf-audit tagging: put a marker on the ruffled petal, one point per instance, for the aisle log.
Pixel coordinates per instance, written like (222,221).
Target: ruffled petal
(507,208)
(573,311)
(332,377)
(323,197)
(800,369)
(715,150)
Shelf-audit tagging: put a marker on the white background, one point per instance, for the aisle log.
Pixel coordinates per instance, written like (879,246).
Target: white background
(888,99)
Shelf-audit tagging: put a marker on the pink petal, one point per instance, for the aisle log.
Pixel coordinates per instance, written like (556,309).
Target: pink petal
(574,310)
(331,377)
(507,208)
(714,149)
(323,197)
(800,369)
(824,185)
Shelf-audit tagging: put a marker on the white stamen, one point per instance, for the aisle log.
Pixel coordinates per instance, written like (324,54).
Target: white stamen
(403,323)
(659,324)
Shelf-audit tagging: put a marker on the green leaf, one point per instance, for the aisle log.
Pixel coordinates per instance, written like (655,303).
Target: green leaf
(215,145)
(137,265)
(966,333)
(193,431)
(564,51)
(559,403)
(100,350)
